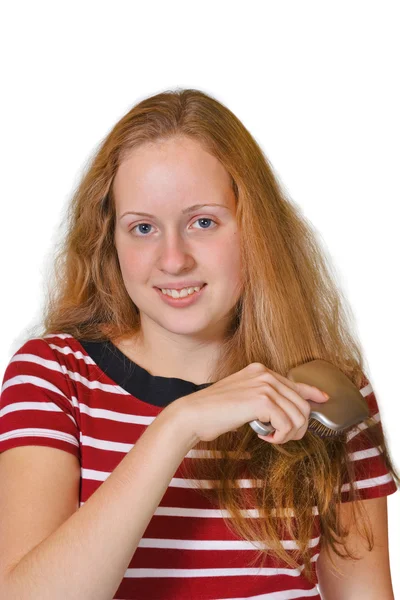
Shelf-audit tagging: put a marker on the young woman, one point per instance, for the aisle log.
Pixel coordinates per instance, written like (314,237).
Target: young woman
(128,467)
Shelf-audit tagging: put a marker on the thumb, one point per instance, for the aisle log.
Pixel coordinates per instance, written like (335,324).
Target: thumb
(310,392)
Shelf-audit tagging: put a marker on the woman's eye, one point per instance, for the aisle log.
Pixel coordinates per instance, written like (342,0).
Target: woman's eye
(143,234)
(140,225)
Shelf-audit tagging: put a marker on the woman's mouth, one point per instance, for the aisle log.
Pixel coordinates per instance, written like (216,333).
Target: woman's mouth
(182,302)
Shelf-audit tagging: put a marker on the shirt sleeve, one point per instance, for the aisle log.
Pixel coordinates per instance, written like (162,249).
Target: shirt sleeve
(372,477)
(37,404)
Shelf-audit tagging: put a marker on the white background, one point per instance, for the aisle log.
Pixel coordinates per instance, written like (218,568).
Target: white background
(316,83)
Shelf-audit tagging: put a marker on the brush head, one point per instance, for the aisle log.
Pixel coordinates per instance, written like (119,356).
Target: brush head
(346,405)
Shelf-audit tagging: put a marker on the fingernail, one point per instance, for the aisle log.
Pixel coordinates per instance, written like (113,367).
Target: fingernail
(326,395)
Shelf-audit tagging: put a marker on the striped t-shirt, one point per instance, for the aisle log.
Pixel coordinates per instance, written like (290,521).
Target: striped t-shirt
(89,399)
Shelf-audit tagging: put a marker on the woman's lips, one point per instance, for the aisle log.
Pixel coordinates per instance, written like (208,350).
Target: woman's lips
(182,302)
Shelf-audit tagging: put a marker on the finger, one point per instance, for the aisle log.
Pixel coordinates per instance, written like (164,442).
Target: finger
(277,417)
(268,438)
(294,406)
(297,409)
(306,391)
(302,431)
(276,437)
(310,392)
(285,418)
(281,439)
(292,397)
(292,435)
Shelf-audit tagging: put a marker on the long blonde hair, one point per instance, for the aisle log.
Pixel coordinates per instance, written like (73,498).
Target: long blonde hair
(290,312)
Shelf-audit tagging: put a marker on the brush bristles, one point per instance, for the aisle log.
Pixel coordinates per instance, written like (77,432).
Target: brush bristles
(321,430)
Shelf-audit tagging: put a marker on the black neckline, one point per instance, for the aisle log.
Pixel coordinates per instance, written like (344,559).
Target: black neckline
(153,389)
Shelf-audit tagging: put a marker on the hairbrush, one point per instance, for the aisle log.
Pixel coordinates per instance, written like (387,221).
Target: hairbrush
(346,405)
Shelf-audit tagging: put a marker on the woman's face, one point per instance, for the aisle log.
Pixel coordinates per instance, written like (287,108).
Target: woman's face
(173,245)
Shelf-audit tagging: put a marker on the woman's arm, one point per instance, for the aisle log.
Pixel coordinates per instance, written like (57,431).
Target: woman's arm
(87,555)
(368,578)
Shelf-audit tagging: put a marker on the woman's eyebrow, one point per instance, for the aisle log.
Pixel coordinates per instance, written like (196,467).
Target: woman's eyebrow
(184,211)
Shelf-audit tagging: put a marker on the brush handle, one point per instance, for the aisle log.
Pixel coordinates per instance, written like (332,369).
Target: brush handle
(262,428)
(266,428)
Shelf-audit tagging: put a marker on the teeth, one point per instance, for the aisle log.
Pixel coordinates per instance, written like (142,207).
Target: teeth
(182,293)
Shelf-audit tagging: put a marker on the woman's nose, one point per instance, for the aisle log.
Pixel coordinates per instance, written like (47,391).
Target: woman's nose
(175,252)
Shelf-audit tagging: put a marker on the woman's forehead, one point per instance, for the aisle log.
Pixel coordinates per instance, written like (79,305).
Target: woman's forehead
(179,176)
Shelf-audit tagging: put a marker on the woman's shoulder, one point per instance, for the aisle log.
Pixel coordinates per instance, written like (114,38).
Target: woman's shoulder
(37,401)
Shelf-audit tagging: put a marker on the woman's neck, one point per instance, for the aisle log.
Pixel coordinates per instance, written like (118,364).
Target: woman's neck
(195,368)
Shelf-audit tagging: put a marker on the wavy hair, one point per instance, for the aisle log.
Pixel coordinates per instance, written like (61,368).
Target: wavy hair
(291,311)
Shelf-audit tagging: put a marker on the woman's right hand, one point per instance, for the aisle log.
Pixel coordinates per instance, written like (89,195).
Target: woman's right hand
(254,392)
